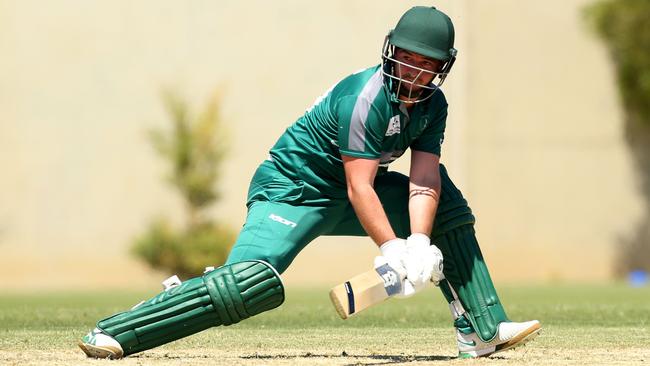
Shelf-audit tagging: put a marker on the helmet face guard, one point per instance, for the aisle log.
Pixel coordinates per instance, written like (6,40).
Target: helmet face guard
(400,86)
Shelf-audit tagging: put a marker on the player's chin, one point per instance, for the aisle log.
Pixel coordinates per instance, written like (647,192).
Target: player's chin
(413,92)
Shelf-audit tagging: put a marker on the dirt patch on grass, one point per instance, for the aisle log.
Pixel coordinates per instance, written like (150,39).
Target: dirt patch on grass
(526,355)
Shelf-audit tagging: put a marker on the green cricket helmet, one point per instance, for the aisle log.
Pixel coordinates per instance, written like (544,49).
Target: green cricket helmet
(428,32)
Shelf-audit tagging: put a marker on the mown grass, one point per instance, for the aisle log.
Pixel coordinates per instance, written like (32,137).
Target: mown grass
(579,317)
(612,305)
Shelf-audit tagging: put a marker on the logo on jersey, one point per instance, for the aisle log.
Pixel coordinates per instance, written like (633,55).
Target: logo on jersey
(393,126)
(282,220)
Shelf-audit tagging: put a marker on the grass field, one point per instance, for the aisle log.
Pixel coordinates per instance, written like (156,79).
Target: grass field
(606,325)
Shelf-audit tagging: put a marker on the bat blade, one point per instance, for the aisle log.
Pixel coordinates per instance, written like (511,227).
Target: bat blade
(365,290)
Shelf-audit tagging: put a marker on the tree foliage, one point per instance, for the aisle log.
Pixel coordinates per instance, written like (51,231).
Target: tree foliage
(624,25)
(191,149)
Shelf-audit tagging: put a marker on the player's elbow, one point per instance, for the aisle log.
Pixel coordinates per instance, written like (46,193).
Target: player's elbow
(358,190)
(430,180)
(352,192)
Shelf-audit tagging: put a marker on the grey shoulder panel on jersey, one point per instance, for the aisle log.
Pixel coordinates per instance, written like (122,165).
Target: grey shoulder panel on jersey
(362,106)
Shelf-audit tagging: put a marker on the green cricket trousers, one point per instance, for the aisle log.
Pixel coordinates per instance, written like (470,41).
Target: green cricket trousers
(282,219)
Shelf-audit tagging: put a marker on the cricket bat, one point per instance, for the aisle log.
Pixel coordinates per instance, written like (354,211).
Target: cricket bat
(365,290)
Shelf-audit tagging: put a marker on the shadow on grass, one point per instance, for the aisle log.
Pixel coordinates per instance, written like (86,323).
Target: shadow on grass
(373,359)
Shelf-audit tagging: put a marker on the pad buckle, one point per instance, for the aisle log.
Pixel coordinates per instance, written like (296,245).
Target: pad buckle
(171,282)
(457,309)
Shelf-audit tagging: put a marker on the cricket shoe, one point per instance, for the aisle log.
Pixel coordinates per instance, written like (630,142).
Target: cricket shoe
(99,345)
(509,335)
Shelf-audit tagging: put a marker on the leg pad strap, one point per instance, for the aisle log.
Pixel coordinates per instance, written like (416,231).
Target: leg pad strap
(223,296)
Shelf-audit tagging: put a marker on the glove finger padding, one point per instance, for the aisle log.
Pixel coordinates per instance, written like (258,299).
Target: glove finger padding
(420,260)
(428,262)
(436,265)
(415,268)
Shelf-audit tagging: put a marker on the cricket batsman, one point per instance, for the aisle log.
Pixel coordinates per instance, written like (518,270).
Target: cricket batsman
(328,175)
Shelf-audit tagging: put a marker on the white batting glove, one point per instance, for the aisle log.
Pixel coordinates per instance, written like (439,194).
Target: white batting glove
(394,251)
(424,261)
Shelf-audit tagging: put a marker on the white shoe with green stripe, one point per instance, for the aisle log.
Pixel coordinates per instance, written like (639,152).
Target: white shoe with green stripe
(99,345)
(509,335)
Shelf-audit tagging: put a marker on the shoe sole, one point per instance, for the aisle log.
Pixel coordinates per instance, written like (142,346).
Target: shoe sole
(100,352)
(521,339)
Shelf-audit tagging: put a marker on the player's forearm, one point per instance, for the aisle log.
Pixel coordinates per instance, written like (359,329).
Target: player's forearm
(423,203)
(371,213)
(424,191)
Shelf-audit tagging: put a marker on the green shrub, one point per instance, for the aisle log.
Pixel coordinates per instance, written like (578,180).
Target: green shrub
(191,150)
(187,252)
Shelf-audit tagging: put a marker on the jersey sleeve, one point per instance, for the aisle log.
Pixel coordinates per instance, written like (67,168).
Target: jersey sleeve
(361,128)
(431,138)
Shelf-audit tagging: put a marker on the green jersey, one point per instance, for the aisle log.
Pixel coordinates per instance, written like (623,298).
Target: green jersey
(358,117)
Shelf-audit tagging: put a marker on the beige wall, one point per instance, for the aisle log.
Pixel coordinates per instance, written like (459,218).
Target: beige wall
(534,135)
(546,166)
